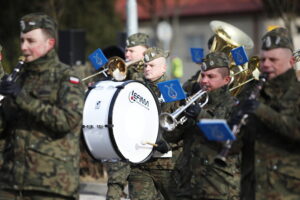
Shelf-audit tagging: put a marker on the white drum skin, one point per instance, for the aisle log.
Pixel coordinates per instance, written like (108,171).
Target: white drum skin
(118,119)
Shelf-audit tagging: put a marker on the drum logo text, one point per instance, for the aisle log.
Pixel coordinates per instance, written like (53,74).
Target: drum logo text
(134,97)
(98,103)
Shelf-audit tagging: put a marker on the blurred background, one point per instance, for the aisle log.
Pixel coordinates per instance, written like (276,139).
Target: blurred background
(175,25)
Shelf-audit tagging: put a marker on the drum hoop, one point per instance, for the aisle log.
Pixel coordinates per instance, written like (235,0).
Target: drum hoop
(110,130)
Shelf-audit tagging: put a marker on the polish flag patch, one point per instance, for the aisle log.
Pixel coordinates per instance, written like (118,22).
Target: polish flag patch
(74,80)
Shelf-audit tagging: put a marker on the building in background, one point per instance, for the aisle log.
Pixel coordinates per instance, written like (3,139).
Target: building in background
(190,23)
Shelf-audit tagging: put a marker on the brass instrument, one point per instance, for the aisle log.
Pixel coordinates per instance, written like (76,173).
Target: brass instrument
(116,67)
(169,121)
(228,37)
(236,125)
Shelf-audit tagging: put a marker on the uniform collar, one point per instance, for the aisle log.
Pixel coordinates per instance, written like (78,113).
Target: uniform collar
(216,96)
(43,63)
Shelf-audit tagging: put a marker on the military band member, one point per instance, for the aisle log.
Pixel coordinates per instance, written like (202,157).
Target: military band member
(270,159)
(153,179)
(118,172)
(136,45)
(199,177)
(40,119)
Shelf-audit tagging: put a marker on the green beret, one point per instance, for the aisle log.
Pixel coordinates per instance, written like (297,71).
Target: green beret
(153,53)
(277,38)
(215,60)
(38,20)
(137,39)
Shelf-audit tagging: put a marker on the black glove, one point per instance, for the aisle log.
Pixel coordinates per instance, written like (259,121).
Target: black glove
(9,88)
(162,146)
(249,106)
(193,111)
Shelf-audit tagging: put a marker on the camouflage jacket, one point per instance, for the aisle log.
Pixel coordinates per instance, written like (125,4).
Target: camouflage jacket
(199,177)
(135,71)
(274,130)
(41,128)
(173,140)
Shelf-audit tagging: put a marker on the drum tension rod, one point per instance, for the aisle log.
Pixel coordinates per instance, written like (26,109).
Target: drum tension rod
(120,86)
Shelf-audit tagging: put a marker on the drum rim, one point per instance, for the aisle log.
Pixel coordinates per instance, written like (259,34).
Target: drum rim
(109,121)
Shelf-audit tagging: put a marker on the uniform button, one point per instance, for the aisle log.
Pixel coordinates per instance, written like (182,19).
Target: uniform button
(15,187)
(258,160)
(274,167)
(32,146)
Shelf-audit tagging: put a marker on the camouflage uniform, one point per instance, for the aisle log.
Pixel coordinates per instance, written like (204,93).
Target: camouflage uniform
(199,177)
(153,179)
(1,139)
(118,172)
(41,127)
(270,167)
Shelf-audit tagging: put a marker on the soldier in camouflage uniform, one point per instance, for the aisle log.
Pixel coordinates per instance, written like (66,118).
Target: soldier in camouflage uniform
(153,179)
(118,172)
(272,133)
(136,45)
(199,176)
(1,139)
(40,120)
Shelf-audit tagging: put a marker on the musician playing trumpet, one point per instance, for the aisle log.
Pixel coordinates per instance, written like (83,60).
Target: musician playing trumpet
(198,176)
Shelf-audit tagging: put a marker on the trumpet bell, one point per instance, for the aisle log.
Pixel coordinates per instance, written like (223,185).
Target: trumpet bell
(167,121)
(117,68)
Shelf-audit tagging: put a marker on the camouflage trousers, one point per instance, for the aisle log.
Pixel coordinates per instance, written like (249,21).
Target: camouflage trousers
(31,195)
(118,173)
(151,184)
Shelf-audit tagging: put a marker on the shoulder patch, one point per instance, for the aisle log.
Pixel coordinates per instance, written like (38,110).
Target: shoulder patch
(74,80)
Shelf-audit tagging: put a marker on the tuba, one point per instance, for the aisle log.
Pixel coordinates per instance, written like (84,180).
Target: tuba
(228,37)
(116,67)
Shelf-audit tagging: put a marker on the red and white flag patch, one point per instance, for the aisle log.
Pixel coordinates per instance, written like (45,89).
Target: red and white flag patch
(74,80)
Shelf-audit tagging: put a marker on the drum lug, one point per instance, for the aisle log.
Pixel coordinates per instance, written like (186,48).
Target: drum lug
(87,126)
(109,125)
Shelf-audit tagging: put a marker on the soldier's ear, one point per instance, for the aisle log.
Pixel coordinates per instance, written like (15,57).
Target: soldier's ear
(51,42)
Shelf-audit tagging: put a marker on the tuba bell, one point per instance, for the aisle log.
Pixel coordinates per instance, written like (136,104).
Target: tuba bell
(228,37)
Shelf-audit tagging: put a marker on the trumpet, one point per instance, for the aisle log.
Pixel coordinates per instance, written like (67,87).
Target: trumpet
(116,67)
(168,121)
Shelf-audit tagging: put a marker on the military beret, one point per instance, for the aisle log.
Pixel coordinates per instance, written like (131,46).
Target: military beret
(215,60)
(277,38)
(137,39)
(38,20)
(153,53)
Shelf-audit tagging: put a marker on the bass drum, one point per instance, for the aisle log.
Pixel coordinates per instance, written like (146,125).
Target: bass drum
(120,121)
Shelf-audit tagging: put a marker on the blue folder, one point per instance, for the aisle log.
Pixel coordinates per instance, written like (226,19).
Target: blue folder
(216,129)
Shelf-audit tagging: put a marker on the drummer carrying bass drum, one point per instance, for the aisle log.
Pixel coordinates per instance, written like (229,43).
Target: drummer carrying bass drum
(153,179)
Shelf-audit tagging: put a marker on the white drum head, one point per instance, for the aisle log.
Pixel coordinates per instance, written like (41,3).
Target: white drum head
(135,118)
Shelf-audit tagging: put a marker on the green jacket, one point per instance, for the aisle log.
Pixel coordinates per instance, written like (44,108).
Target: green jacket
(41,128)
(199,177)
(274,130)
